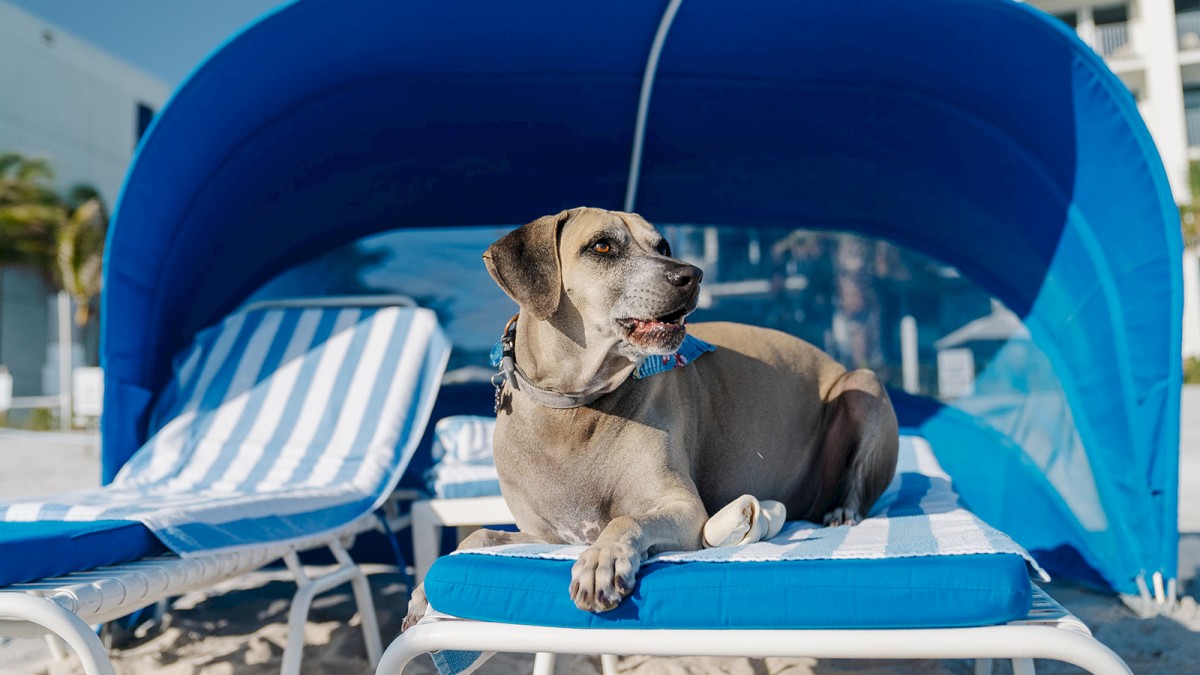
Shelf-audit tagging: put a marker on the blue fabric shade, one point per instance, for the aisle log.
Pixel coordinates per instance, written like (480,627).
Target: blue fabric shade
(980,132)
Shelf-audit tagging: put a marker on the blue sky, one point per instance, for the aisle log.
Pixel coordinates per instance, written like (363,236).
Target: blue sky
(165,38)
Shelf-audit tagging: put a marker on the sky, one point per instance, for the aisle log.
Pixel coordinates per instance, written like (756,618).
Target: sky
(165,38)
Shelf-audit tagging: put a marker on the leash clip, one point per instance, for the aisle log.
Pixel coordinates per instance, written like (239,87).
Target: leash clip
(504,359)
(498,383)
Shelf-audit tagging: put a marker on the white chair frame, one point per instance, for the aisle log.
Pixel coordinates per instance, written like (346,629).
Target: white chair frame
(1048,632)
(67,607)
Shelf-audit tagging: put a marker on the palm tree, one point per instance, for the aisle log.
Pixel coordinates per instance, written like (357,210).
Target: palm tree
(79,249)
(29,211)
(61,237)
(24,178)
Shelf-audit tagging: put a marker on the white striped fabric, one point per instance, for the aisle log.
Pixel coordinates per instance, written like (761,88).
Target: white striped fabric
(279,423)
(459,481)
(462,453)
(919,515)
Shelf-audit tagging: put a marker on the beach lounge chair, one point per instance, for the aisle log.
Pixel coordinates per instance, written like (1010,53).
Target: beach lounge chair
(921,578)
(1029,171)
(285,428)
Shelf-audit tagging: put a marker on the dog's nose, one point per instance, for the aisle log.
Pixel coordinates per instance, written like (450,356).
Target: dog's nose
(685,275)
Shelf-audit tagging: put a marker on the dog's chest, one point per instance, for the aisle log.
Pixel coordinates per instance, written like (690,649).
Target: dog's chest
(568,509)
(580,533)
(571,472)
(562,500)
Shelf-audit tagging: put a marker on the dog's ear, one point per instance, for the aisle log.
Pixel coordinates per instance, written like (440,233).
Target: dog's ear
(525,264)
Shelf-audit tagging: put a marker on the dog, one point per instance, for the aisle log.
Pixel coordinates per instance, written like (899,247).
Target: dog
(587,454)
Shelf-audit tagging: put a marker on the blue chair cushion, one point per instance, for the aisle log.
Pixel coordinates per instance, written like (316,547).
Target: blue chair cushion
(39,550)
(935,591)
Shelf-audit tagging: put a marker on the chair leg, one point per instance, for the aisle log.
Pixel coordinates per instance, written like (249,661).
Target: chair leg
(66,625)
(293,650)
(983,667)
(608,664)
(366,606)
(55,644)
(307,588)
(426,538)
(543,664)
(1023,667)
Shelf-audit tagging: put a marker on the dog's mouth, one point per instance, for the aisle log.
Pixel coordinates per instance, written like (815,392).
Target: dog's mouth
(659,335)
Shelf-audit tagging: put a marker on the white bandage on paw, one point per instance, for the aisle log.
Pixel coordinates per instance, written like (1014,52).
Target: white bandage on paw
(745,520)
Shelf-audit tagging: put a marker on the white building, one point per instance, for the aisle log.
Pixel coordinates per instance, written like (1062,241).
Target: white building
(84,110)
(66,100)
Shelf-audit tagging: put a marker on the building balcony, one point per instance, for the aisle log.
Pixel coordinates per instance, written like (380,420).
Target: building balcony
(1111,41)
(1187,29)
(1193,126)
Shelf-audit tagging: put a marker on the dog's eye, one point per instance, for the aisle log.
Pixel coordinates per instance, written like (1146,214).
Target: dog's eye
(602,246)
(663,248)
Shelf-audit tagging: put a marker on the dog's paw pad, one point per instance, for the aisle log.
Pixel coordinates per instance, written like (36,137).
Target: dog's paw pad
(842,516)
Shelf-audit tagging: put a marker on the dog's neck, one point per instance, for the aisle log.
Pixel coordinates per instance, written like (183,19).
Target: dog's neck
(567,360)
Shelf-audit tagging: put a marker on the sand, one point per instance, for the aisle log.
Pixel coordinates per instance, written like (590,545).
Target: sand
(239,627)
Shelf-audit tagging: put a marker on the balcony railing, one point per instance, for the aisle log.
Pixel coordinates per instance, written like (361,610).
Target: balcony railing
(1187,28)
(1193,126)
(1111,40)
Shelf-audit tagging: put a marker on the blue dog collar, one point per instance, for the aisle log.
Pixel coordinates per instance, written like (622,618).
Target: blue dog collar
(691,349)
(503,357)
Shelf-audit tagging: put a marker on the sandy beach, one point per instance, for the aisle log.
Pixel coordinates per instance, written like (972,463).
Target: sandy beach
(239,627)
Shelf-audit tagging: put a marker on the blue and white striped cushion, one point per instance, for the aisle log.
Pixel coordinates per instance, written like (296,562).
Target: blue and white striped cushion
(279,423)
(463,462)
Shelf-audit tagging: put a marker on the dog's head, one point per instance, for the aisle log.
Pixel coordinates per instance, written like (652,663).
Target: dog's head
(609,272)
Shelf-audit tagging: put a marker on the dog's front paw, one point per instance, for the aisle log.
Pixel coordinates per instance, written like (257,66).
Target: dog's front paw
(417,604)
(603,576)
(842,516)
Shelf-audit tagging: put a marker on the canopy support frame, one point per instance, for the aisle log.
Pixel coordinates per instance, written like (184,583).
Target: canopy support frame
(643,111)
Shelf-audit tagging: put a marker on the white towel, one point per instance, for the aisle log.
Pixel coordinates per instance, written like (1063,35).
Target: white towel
(463,464)
(918,515)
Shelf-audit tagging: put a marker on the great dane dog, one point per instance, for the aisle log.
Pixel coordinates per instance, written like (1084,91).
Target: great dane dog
(586,454)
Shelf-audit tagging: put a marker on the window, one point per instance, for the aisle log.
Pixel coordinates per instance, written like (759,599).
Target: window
(1069,18)
(1191,96)
(143,117)
(1110,14)
(1191,109)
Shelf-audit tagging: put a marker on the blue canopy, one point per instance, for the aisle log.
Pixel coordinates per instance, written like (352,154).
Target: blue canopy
(980,132)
